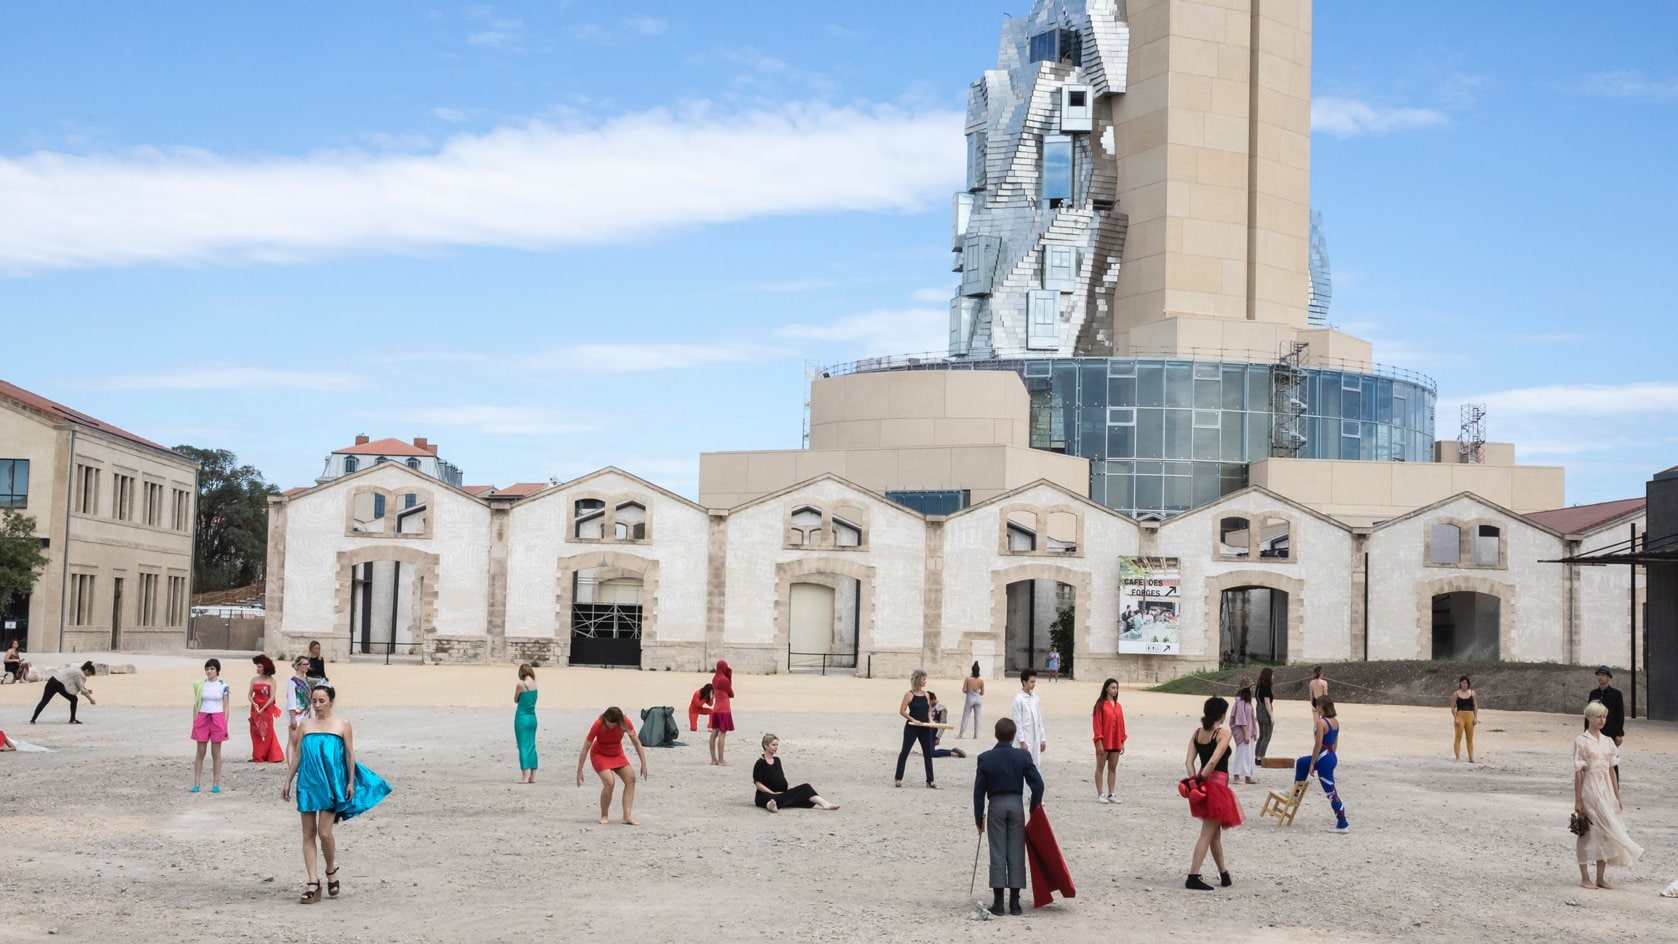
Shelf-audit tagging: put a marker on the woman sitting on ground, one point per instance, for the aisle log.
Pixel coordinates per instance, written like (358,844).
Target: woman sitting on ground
(771,783)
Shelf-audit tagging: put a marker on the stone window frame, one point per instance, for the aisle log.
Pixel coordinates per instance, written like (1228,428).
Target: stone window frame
(611,502)
(1040,518)
(825,533)
(393,509)
(1466,528)
(1255,522)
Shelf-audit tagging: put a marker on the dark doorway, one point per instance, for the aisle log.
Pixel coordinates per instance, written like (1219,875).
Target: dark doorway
(14,622)
(116,613)
(605,618)
(1033,606)
(1465,626)
(1252,626)
(383,613)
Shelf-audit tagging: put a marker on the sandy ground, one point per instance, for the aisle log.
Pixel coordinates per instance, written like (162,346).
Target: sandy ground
(103,838)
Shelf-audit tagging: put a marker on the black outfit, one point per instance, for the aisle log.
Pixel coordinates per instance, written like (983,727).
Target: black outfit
(771,776)
(1204,752)
(1003,773)
(1615,726)
(1465,704)
(54,687)
(316,672)
(920,709)
(1266,724)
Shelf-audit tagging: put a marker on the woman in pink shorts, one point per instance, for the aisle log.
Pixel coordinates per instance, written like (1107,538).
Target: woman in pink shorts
(212,698)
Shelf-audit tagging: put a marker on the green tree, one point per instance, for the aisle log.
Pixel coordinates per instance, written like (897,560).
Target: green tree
(1062,635)
(21,556)
(230,548)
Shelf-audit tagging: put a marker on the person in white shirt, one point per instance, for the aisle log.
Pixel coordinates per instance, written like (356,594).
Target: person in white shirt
(71,682)
(212,698)
(1029,731)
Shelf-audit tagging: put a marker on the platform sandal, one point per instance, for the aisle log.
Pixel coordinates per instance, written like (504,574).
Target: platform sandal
(332,883)
(311,893)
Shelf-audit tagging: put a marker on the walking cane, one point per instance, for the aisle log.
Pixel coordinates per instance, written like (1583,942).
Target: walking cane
(974,882)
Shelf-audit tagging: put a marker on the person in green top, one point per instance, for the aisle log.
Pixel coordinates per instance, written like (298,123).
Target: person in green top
(524,722)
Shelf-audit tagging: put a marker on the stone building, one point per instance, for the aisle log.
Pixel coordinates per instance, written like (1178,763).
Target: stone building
(115,513)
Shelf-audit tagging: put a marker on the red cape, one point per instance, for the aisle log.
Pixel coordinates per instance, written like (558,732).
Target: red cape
(1048,867)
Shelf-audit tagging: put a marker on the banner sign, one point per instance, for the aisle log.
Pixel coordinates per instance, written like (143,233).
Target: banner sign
(1148,606)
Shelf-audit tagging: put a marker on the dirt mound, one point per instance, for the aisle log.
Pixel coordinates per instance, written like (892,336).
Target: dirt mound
(1505,686)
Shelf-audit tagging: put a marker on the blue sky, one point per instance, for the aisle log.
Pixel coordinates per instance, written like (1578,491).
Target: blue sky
(554,237)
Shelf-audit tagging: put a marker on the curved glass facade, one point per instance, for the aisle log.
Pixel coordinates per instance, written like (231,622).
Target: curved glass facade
(1165,436)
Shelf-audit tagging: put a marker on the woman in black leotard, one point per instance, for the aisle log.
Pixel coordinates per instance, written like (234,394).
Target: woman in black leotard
(770,783)
(1210,799)
(916,710)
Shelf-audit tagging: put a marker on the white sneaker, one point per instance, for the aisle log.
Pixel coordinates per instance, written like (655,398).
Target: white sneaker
(1101,799)
(1110,799)
(1341,829)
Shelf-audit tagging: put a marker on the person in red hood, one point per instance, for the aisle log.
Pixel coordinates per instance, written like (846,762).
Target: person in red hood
(722,714)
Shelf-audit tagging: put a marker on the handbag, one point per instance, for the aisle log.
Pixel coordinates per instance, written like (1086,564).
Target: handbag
(1578,824)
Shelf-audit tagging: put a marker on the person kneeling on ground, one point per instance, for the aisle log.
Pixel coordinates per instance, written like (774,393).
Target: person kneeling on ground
(770,780)
(1002,775)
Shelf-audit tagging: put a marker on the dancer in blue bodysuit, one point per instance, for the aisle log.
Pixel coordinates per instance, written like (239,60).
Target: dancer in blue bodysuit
(1324,758)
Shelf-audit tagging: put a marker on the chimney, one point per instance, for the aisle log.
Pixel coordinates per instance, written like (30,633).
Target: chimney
(362,440)
(421,442)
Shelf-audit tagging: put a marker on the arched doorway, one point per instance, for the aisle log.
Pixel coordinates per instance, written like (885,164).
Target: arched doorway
(606,616)
(1252,625)
(1033,607)
(824,612)
(390,597)
(1466,625)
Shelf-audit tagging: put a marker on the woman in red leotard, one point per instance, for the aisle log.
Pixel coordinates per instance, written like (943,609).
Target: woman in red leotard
(603,747)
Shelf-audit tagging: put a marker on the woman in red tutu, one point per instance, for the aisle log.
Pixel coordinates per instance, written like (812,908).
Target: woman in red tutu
(265,747)
(1210,799)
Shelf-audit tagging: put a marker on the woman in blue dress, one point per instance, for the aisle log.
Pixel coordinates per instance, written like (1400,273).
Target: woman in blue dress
(331,786)
(524,722)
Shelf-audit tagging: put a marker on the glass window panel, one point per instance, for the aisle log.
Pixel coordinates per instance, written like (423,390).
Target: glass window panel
(1121,442)
(1150,433)
(1150,495)
(1205,483)
(1178,494)
(1351,404)
(1368,441)
(1328,399)
(1092,384)
(1349,447)
(1206,443)
(1120,491)
(1057,169)
(1179,385)
(1037,368)
(1098,489)
(1092,433)
(1487,541)
(1208,419)
(1445,544)
(1121,368)
(1150,467)
(1150,385)
(1177,429)
(1205,371)
(1258,389)
(1369,400)
(1177,468)
(1121,391)
(1121,416)
(1208,394)
(1384,401)
(1232,436)
(1258,437)
(1234,384)
(1351,382)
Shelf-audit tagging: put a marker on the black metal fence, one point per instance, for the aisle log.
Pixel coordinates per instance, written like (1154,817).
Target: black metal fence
(225,632)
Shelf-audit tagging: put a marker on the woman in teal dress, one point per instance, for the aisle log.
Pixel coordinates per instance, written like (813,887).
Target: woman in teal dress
(331,786)
(524,722)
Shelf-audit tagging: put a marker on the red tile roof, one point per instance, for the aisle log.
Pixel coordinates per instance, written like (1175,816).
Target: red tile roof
(37,402)
(386,447)
(1581,518)
(479,490)
(519,490)
(293,491)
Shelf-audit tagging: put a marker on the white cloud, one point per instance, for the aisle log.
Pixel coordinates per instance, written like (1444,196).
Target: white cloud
(932,294)
(1630,84)
(450,113)
(647,25)
(1643,400)
(496,420)
(535,186)
(793,285)
(1565,420)
(1347,117)
(882,331)
(236,378)
(490,39)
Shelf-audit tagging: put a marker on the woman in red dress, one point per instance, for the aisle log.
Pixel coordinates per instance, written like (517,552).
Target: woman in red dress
(265,747)
(699,704)
(722,711)
(604,749)
(1210,799)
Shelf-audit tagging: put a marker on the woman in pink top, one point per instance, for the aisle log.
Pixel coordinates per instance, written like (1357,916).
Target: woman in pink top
(603,747)
(1108,722)
(1243,730)
(722,711)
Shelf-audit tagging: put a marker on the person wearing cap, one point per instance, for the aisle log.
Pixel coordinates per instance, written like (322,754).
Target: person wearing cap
(71,682)
(1613,700)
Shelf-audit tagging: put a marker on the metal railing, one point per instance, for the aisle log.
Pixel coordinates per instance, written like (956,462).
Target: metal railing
(821,660)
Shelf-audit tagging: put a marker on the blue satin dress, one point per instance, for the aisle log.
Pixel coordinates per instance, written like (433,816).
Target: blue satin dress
(524,729)
(321,783)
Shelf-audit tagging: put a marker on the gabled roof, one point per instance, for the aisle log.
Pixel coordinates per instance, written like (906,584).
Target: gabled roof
(1233,497)
(386,447)
(614,470)
(1494,506)
(515,490)
(827,477)
(1011,494)
(377,468)
(51,408)
(1582,518)
(478,490)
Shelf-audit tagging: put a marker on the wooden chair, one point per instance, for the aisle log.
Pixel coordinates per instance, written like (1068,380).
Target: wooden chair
(1284,806)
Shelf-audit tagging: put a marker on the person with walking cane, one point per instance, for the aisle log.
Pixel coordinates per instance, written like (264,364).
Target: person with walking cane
(1003,773)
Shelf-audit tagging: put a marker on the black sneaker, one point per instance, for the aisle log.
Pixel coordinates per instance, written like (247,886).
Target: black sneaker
(1225,880)
(1195,883)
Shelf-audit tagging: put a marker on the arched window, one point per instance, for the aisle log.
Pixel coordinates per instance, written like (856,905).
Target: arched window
(806,527)
(589,515)
(1021,528)
(351,463)
(1444,545)
(1274,535)
(1234,537)
(1488,546)
(847,526)
(630,522)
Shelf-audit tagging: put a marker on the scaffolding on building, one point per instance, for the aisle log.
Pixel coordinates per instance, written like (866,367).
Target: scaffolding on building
(1287,402)
(812,370)
(1471,437)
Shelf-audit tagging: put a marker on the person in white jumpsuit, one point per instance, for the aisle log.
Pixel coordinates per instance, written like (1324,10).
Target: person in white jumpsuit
(1030,733)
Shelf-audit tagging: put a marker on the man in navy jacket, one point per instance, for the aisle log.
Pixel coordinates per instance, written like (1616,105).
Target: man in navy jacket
(1004,771)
